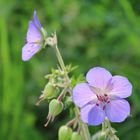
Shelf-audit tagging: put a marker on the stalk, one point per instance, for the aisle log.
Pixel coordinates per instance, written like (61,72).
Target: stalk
(84,127)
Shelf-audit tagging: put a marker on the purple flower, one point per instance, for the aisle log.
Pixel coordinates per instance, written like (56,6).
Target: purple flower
(102,96)
(33,40)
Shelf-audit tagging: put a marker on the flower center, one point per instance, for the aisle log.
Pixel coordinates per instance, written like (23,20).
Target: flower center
(103,98)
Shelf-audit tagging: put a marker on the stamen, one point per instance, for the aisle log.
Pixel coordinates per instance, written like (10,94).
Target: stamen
(103,98)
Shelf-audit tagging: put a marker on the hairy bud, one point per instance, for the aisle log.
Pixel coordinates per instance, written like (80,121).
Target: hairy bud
(55,107)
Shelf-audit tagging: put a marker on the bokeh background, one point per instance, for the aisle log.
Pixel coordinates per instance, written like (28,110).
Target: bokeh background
(91,33)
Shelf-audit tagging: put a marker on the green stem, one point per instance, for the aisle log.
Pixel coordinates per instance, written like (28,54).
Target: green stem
(108,131)
(59,57)
(84,127)
(85,131)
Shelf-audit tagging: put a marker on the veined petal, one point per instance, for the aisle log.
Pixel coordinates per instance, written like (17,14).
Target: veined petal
(98,77)
(29,50)
(33,33)
(117,110)
(82,95)
(121,87)
(92,114)
(36,21)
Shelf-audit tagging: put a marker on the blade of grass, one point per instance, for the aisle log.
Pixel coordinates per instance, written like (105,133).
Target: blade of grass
(5,60)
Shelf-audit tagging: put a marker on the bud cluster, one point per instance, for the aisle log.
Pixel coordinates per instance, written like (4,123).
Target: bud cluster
(55,92)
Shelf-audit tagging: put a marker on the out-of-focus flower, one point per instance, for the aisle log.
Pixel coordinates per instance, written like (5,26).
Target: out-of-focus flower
(34,39)
(102,96)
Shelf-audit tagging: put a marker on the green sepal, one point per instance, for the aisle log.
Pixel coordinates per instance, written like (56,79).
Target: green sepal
(50,92)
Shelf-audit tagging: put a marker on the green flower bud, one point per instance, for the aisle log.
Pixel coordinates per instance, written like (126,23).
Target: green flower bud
(50,92)
(64,133)
(76,136)
(55,107)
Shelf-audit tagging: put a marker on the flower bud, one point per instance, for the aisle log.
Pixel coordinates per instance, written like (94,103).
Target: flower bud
(64,133)
(49,92)
(76,136)
(55,107)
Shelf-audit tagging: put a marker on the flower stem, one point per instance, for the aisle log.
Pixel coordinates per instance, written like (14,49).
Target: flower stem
(84,127)
(85,131)
(59,57)
(108,131)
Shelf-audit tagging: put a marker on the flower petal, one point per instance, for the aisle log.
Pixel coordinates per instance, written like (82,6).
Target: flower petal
(36,21)
(92,114)
(121,87)
(98,77)
(33,33)
(29,50)
(82,95)
(117,110)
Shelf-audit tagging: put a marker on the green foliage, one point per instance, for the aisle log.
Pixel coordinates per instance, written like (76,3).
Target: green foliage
(90,33)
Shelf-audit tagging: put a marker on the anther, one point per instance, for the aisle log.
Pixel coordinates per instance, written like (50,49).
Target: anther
(97,104)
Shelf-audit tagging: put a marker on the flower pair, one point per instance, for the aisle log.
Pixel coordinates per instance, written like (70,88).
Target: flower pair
(102,96)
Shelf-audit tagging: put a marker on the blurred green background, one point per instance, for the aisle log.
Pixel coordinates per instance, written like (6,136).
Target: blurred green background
(91,33)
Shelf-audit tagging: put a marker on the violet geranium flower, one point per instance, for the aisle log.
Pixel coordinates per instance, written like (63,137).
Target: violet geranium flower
(34,39)
(102,96)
